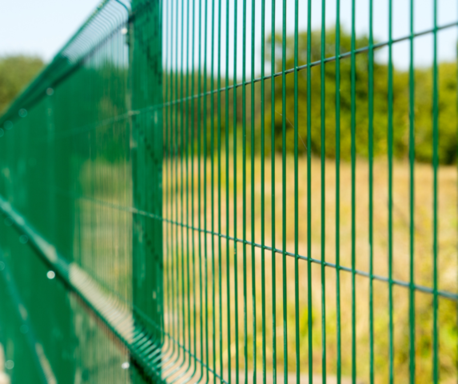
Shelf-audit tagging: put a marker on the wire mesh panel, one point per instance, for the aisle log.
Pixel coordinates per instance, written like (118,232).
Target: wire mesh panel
(236,191)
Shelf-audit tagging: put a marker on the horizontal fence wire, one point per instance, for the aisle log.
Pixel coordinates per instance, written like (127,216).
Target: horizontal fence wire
(236,191)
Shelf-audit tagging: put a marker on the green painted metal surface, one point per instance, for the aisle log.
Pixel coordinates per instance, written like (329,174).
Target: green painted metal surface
(236,191)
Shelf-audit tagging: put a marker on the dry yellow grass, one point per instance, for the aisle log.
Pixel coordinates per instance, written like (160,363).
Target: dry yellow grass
(193,215)
(189,301)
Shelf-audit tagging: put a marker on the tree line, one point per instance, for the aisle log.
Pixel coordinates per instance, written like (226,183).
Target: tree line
(391,121)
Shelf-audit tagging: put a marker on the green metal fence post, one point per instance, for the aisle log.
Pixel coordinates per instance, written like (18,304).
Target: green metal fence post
(50,209)
(146,151)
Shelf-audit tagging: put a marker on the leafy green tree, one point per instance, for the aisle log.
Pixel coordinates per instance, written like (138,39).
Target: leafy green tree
(16,71)
(400,108)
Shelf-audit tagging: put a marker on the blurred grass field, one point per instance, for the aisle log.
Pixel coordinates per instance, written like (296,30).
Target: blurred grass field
(186,201)
(196,269)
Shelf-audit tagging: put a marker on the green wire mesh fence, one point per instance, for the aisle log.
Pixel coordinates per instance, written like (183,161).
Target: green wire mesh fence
(236,191)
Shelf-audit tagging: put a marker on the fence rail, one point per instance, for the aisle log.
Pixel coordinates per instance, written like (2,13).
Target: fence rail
(236,191)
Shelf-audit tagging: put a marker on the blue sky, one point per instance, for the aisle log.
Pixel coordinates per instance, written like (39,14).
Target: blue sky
(40,26)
